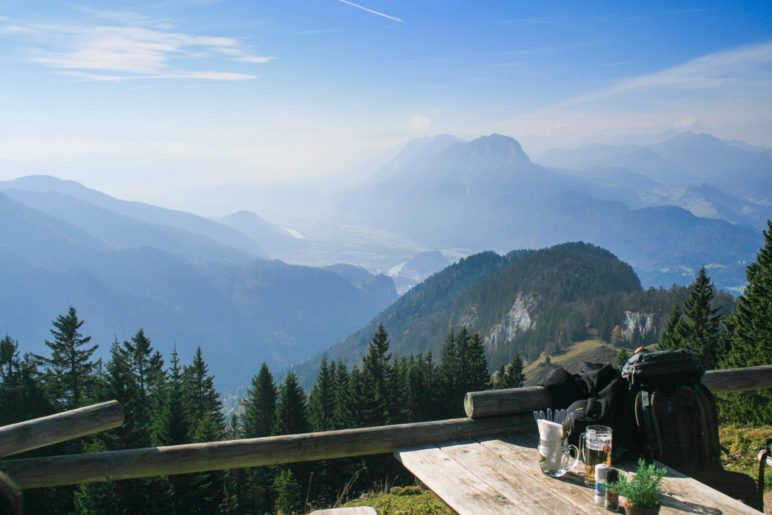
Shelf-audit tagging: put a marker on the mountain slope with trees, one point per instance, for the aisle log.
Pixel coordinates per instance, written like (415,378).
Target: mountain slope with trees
(523,303)
(182,287)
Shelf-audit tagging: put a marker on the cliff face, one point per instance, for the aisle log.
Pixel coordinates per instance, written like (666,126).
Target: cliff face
(518,320)
(644,324)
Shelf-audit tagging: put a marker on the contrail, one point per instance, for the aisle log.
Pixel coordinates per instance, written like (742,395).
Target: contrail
(365,9)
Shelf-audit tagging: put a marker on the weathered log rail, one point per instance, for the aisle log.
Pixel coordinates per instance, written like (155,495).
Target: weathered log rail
(496,412)
(254,452)
(494,403)
(53,429)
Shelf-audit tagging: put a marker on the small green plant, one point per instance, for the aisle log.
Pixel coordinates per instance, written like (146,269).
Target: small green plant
(644,488)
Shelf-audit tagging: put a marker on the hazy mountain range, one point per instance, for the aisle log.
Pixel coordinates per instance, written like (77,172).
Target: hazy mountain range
(186,280)
(666,209)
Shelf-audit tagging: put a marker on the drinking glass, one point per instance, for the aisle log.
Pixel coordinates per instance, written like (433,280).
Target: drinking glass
(557,457)
(595,445)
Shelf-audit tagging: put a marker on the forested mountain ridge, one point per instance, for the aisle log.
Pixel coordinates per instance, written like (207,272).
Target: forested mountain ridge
(524,302)
(123,273)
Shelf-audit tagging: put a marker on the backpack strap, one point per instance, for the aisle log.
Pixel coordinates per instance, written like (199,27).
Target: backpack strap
(645,420)
(709,429)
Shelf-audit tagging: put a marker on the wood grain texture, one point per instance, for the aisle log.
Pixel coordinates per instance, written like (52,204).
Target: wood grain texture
(473,477)
(516,479)
(492,403)
(40,432)
(568,493)
(454,483)
(739,379)
(255,452)
(682,494)
(509,401)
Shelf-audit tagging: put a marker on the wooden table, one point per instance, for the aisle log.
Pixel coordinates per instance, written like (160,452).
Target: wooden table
(499,476)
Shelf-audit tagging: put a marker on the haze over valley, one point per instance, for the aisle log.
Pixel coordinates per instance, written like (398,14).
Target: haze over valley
(258,291)
(267,181)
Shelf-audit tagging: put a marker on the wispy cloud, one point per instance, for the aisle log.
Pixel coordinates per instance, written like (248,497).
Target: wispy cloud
(727,93)
(367,10)
(133,47)
(751,64)
(420,122)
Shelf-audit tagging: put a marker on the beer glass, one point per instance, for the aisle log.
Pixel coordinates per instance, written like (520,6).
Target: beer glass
(595,446)
(557,457)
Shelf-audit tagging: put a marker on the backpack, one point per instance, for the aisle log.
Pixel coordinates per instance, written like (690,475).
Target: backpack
(590,397)
(675,420)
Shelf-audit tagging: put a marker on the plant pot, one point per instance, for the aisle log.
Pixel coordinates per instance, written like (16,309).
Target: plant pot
(631,509)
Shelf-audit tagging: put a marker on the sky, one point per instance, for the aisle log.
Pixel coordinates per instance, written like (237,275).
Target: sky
(143,99)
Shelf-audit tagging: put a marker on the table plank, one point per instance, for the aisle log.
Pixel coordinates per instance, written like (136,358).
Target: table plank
(519,482)
(453,483)
(681,492)
(502,476)
(569,488)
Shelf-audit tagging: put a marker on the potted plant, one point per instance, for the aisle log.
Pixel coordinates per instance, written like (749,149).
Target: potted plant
(642,492)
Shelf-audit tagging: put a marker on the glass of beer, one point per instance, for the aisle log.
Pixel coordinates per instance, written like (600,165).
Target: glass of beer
(595,446)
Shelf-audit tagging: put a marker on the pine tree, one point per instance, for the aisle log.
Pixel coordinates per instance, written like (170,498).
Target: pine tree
(202,399)
(422,385)
(670,338)
(377,377)
(205,492)
(342,420)
(321,401)
(22,396)
(450,367)
(133,373)
(510,375)
(260,405)
(463,368)
(697,329)
(288,493)
(355,401)
(749,338)
(70,371)
(291,415)
(255,495)
(120,384)
(475,374)
(321,415)
(171,426)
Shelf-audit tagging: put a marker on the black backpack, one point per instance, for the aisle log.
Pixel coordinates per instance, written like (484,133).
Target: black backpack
(591,397)
(670,416)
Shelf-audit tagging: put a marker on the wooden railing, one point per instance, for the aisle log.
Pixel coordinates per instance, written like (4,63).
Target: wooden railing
(41,432)
(493,412)
(491,403)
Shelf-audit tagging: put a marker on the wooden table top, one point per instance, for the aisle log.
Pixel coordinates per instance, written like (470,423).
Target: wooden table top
(500,476)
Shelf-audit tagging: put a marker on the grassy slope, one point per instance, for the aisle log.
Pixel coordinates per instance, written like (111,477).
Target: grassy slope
(409,500)
(589,350)
(744,444)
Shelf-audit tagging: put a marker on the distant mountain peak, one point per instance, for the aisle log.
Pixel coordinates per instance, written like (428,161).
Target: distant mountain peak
(696,138)
(500,147)
(43,182)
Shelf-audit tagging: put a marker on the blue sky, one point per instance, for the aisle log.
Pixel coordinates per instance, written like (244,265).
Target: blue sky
(132,97)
